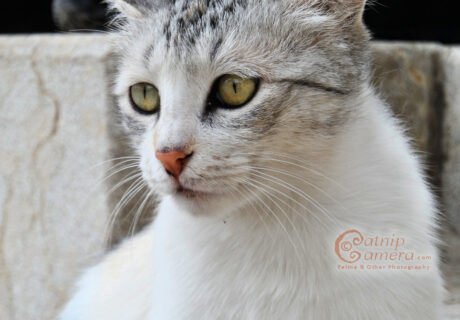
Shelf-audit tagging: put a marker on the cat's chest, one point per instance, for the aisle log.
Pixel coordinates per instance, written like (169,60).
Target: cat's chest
(203,272)
(227,290)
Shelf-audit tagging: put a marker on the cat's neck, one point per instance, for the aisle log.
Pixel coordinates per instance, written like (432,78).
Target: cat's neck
(256,250)
(275,222)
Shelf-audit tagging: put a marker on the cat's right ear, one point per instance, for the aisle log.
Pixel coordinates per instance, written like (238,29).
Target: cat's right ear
(346,10)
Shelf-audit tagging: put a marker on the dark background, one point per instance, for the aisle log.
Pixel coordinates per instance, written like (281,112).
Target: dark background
(388,19)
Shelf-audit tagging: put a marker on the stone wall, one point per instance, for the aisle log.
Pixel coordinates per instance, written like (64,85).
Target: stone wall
(57,133)
(53,125)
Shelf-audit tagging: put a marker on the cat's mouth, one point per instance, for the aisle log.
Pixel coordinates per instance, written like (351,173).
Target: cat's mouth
(189,193)
(193,190)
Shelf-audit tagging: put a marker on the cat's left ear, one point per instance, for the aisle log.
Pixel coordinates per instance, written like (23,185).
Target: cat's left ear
(128,9)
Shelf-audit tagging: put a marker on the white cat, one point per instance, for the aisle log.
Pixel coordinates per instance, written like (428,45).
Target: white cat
(256,123)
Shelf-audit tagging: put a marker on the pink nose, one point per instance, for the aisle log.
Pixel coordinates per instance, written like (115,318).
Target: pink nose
(173,161)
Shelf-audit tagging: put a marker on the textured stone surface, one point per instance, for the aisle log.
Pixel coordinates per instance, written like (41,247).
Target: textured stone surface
(451,139)
(56,126)
(53,106)
(451,179)
(411,77)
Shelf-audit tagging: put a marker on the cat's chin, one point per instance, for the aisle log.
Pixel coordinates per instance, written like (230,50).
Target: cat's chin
(202,203)
(196,200)
(193,195)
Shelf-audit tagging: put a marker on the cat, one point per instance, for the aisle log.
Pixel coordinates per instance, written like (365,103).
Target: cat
(256,123)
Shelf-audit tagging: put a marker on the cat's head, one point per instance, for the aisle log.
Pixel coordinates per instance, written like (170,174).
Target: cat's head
(214,92)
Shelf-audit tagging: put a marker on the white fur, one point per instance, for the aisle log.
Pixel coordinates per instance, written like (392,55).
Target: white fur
(207,269)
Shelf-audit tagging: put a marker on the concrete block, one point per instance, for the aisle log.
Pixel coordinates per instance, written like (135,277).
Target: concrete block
(451,139)
(53,122)
(410,77)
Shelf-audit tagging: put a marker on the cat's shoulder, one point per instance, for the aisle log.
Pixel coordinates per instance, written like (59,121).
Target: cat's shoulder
(118,287)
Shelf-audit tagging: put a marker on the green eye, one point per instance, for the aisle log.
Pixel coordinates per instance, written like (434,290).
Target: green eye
(145,97)
(235,91)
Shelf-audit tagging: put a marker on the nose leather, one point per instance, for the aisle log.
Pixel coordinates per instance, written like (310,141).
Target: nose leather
(173,161)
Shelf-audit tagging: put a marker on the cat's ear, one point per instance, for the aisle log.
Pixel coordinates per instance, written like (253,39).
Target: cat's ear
(351,10)
(126,9)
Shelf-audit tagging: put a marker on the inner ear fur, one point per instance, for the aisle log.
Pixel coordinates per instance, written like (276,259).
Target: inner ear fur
(124,9)
(351,10)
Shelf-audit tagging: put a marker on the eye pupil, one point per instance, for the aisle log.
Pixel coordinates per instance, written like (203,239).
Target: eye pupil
(144,98)
(234,91)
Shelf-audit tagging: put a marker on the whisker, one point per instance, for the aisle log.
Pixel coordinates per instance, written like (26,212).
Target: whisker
(286,215)
(124,181)
(127,158)
(127,196)
(255,209)
(300,179)
(306,166)
(261,185)
(276,217)
(295,190)
(139,210)
(118,170)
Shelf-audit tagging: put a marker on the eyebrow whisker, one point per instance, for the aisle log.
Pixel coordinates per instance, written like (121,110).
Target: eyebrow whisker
(316,85)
